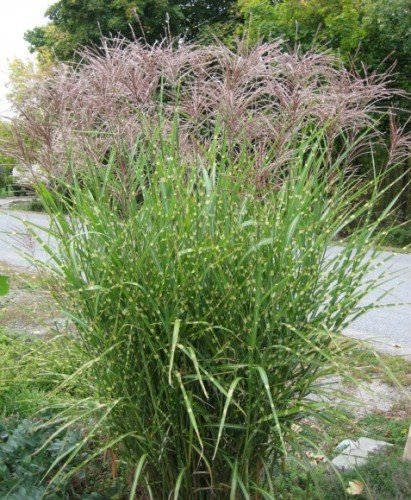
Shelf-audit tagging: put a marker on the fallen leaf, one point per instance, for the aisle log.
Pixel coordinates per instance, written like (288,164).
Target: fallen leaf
(314,459)
(296,428)
(355,487)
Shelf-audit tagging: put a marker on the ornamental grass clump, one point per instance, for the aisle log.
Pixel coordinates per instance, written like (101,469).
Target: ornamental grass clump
(78,112)
(208,309)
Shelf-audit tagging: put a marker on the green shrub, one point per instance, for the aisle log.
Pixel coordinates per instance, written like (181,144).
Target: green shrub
(29,452)
(5,178)
(34,205)
(21,468)
(207,306)
(32,441)
(399,236)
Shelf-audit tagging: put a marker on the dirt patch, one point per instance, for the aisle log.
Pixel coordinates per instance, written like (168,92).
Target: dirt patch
(366,397)
(29,307)
(376,396)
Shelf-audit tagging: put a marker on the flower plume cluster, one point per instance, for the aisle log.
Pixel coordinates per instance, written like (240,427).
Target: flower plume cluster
(261,95)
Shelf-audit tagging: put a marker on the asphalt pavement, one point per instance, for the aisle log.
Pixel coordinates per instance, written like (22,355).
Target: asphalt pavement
(15,240)
(388,327)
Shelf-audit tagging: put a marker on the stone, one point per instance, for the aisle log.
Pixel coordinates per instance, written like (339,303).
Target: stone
(347,462)
(407,449)
(355,453)
(344,444)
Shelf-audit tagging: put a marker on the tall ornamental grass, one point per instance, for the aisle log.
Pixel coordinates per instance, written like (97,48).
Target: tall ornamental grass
(208,309)
(262,93)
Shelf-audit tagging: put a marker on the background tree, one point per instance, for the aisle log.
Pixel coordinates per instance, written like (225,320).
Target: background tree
(83,22)
(335,22)
(6,162)
(374,32)
(23,75)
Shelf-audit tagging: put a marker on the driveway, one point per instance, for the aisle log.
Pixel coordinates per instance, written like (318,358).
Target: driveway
(389,328)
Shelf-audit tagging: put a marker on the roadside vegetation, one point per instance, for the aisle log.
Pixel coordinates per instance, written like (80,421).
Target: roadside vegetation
(368,365)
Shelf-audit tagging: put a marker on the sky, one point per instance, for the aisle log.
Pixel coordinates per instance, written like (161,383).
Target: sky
(16,17)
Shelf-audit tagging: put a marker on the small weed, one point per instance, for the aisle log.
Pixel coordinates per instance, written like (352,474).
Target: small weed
(386,427)
(31,370)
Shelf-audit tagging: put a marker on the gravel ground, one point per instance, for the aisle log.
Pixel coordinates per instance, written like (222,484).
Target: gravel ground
(28,308)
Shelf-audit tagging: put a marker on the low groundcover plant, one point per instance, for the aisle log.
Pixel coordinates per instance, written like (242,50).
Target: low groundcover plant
(208,307)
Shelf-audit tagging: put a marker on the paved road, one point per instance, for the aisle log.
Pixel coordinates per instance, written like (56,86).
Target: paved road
(15,240)
(389,327)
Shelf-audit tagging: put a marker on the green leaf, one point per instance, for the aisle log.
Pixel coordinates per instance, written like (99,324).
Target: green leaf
(137,474)
(176,331)
(4,285)
(231,390)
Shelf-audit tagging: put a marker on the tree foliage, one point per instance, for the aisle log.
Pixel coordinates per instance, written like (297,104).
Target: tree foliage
(6,162)
(25,75)
(75,23)
(374,31)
